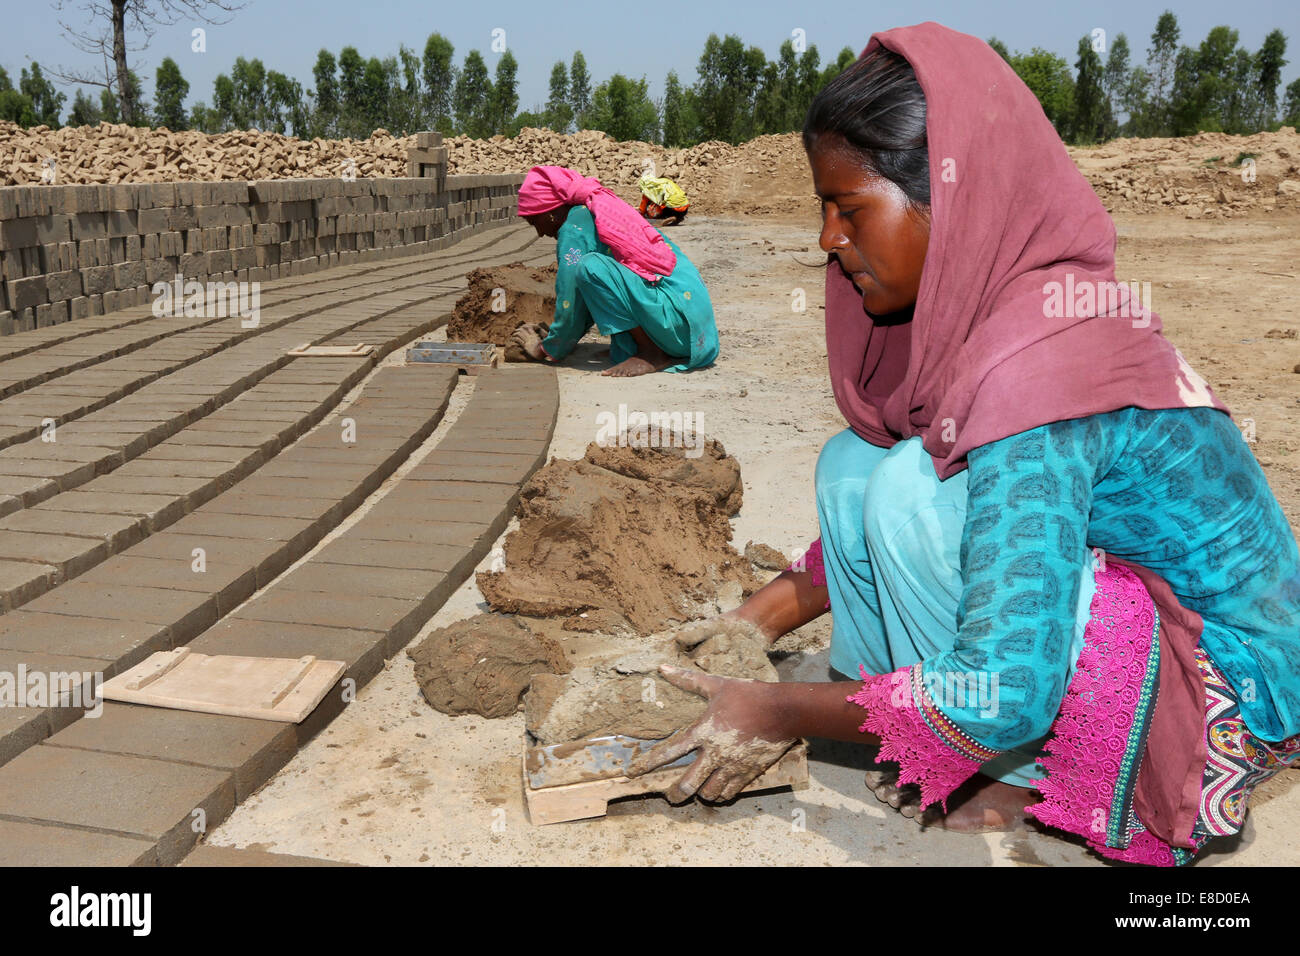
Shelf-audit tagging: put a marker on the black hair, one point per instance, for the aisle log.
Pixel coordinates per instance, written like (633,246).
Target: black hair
(876,107)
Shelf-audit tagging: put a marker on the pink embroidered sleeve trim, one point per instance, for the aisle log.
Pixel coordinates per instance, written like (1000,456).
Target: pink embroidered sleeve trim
(813,562)
(928,748)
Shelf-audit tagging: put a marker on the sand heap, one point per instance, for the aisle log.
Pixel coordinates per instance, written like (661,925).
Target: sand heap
(650,541)
(482,665)
(627,694)
(499,300)
(1201,175)
(767,174)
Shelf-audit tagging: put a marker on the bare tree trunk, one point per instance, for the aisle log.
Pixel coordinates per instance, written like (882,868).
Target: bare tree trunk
(125,94)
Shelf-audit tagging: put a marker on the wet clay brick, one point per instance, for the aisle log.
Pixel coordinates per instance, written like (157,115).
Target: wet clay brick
(32,844)
(185,612)
(250,749)
(120,531)
(127,642)
(130,796)
(362,651)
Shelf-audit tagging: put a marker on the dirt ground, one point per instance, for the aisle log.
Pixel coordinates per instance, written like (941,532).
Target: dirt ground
(393,781)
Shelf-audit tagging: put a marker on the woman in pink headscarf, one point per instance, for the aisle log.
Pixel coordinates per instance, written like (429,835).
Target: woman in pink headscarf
(619,273)
(1060,584)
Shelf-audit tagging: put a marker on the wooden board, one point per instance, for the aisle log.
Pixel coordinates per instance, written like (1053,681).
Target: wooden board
(582,801)
(308,350)
(267,688)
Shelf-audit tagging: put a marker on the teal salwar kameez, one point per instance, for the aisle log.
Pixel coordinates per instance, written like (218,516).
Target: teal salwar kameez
(592,288)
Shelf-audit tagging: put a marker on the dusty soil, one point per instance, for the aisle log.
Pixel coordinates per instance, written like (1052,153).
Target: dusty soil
(654,549)
(483,664)
(392,781)
(500,300)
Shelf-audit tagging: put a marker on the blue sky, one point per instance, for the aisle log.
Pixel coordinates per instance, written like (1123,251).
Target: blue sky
(614,37)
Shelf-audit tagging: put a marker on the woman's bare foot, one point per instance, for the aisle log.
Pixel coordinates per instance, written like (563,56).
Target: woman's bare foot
(636,365)
(649,358)
(981,805)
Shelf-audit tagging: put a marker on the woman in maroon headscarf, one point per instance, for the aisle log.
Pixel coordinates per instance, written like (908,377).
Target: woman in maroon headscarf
(1046,549)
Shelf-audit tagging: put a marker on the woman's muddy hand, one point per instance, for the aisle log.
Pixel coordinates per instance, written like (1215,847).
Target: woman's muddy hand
(528,337)
(692,635)
(737,739)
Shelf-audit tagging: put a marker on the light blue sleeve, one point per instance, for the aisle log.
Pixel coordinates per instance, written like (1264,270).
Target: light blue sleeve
(1022,549)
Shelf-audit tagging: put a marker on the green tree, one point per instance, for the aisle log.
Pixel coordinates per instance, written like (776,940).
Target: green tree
(1162,60)
(352,92)
(224,106)
(108,106)
(473,97)
(1268,63)
(47,102)
(326,114)
(16,107)
(203,119)
(579,89)
(1185,105)
(807,85)
(407,101)
(676,132)
(769,103)
(505,93)
(376,86)
(1291,105)
(622,108)
(727,85)
(559,113)
(169,91)
(84,112)
(1115,81)
(285,105)
(536,118)
(249,79)
(1048,77)
(1091,110)
(439,80)
(1136,92)
(999,48)
(837,66)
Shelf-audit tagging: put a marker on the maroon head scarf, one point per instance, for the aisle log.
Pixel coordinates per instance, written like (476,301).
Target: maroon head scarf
(994,347)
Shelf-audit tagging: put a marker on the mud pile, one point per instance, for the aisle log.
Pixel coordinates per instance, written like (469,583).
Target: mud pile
(483,664)
(627,694)
(652,548)
(499,300)
(704,467)
(1206,176)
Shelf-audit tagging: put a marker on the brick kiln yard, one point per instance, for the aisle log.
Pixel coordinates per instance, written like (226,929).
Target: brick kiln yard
(182,432)
(393,781)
